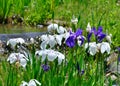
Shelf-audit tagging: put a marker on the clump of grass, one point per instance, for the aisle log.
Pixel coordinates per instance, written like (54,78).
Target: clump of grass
(5,7)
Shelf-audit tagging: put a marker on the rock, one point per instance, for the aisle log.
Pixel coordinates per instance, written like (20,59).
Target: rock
(39,26)
(1,47)
(113,77)
(115,67)
(1,43)
(113,63)
(112,58)
(2,50)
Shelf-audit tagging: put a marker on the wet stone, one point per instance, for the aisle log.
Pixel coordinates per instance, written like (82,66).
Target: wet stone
(40,26)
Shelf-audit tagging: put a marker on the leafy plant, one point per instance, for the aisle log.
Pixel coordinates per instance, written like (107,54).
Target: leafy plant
(5,7)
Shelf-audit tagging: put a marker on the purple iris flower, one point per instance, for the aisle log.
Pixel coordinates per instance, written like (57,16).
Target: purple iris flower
(89,36)
(45,67)
(78,32)
(98,34)
(71,40)
(70,31)
(81,38)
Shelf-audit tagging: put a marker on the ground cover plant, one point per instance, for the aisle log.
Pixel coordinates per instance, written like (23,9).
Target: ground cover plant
(83,51)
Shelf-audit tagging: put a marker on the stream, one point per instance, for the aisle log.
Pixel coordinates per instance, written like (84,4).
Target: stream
(7,32)
(12,29)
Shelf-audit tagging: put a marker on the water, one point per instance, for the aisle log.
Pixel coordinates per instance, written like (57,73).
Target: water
(8,29)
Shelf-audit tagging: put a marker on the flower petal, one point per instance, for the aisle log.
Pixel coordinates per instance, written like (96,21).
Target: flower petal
(86,45)
(92,48)
(78,32)
(37,82)
(66,35)
(45,67)
(101,36)
(51,56)
(89,36)
(12,43)
(59,39)
(80,40)
(70,41)
(61,30)
(44,45)
(60,57)
(105,47)
(44,55)
(108,38)
(74,20)
(100,29)
(44,38)
(12,58)
(94,31)
(23,62)
(32,83)
(88,29)
(52,27)
(38,53)
(52,41)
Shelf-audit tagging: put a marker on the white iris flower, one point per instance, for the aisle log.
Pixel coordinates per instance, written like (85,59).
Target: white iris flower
(88,29)
(105,47)
(74,20)
(61,30)
(32,82)
(51,40)
(66,35)
(52,27)
(51,55)
(108,38)
(55,27)
(47,39)
(18,57)
(59,39)
(13,42)
(94,48)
